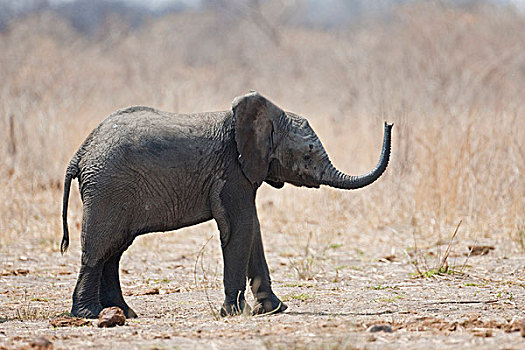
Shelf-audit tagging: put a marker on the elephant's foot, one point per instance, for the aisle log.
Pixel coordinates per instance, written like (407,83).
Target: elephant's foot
(128,312)
(270,305)
(240,307)
(86,311)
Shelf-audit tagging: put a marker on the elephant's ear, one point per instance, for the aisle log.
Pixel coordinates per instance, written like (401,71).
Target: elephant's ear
(254,124)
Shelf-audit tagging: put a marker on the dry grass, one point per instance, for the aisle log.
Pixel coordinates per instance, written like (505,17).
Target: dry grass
(452,80)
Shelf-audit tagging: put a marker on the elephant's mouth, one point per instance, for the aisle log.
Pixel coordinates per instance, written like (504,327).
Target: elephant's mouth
(278,174)
(305,181)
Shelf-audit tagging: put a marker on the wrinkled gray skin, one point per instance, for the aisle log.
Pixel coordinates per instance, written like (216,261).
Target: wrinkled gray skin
(142,170)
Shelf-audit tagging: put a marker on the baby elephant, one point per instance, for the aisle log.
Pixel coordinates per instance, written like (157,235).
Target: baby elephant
(143,170)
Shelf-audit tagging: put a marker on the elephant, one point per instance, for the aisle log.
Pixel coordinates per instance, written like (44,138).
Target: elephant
(144,170)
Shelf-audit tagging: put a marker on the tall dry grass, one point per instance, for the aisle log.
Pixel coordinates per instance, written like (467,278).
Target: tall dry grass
(451,79)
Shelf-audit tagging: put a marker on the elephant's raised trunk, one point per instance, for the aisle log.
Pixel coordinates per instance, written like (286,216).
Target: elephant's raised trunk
(335,178)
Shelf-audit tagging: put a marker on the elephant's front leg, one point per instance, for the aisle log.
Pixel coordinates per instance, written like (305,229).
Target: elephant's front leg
(233,208)
(236,254)
(259,277)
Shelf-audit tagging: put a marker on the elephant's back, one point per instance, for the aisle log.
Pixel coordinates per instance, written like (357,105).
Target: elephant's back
(137,123)
(141,130)
(152,167)
(140,152)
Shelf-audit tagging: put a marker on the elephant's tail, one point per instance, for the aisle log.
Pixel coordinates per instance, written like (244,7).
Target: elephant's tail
(71,173)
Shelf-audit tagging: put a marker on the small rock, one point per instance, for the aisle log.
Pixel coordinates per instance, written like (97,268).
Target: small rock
(388,258)
(522,327)
(111,317)
(380,328)
(484,333)
(41,343)
(479,249)
(17,272)
(152,291)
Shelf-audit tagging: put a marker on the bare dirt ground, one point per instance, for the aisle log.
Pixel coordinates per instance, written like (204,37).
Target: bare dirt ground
(334,291)
(451,78)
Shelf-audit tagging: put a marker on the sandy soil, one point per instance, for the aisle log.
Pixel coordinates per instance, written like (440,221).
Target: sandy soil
(334,293)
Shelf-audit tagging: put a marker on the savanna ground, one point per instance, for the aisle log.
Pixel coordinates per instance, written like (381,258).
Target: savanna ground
(452,79)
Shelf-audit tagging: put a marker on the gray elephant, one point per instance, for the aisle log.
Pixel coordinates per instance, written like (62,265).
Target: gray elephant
(142,170)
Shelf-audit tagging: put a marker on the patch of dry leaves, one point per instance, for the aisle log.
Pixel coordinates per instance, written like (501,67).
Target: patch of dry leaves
(472,323)
(69,321)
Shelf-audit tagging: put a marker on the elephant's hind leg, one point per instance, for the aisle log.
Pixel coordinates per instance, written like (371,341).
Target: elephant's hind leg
(99,245)
(86,295)
(110,291)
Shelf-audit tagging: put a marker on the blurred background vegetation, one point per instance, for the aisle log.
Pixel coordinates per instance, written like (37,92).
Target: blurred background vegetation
(449,74)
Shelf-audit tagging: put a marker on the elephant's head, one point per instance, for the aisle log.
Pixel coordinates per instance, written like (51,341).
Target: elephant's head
(277,146)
